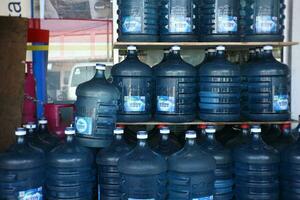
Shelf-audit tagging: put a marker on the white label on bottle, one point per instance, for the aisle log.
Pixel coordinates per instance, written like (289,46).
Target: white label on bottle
(166,104)
(134,103)
(84,125)
(204,198)
(31,194)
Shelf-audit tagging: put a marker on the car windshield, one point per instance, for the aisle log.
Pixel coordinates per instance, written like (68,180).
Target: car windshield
(82,74)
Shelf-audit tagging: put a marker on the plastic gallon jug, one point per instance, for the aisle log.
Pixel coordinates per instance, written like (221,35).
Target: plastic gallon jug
(166,145)
(96,110)
(242,138)
(143,172)
(29,105)
(107,161)
(256,169)
(22,171)
(70,170)
(219,89)
(43,139)
(138,20)
(262,20)
(191,172)
(268,89)
(223,174)
(134,80)
(178,19)
(285,139)
(176,89)
(289,171)
(219,21)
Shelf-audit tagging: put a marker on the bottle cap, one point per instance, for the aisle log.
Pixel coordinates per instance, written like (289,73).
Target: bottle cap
(210,129)
(118,131)
(131,48)
(268,48)
(70,131)
(255,129)
(286,125)
(175,48)
(164,130)
(100,67)
(252,51)
(220,48)
(20,132)
(30,126)
(202,126)
(142,135)
(43,121)
(210,50)
(245,126)
(190,134)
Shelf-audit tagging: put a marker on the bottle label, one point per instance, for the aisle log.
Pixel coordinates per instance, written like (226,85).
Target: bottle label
(180,24)
(132,24)
(134,103)
(266,24)
(84,125)
(227,24)
(280,103)
(32,194)
(181,18)
(204,198)
(165,104)
(226,19)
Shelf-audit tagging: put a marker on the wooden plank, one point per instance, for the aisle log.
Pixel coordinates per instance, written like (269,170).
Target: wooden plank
(13,38)
(202,122)
(201,45)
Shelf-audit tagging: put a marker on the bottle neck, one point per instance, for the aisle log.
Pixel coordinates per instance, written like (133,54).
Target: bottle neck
(245,132)
(268,55)
(100,73)
(175,54)
(142,143)
(210,55)
(20,139)
(164,137)
(220,54)
(118,137)
(190,142)
(43,128)
(70,138)
(203,132)
(256,137)
(132,54)
(31,131)
(286,132)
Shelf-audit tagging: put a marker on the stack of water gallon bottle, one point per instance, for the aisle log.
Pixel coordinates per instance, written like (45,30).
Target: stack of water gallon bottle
(200,20)
(98,159)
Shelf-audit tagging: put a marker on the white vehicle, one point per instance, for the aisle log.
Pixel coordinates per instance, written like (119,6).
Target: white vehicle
(81,73)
